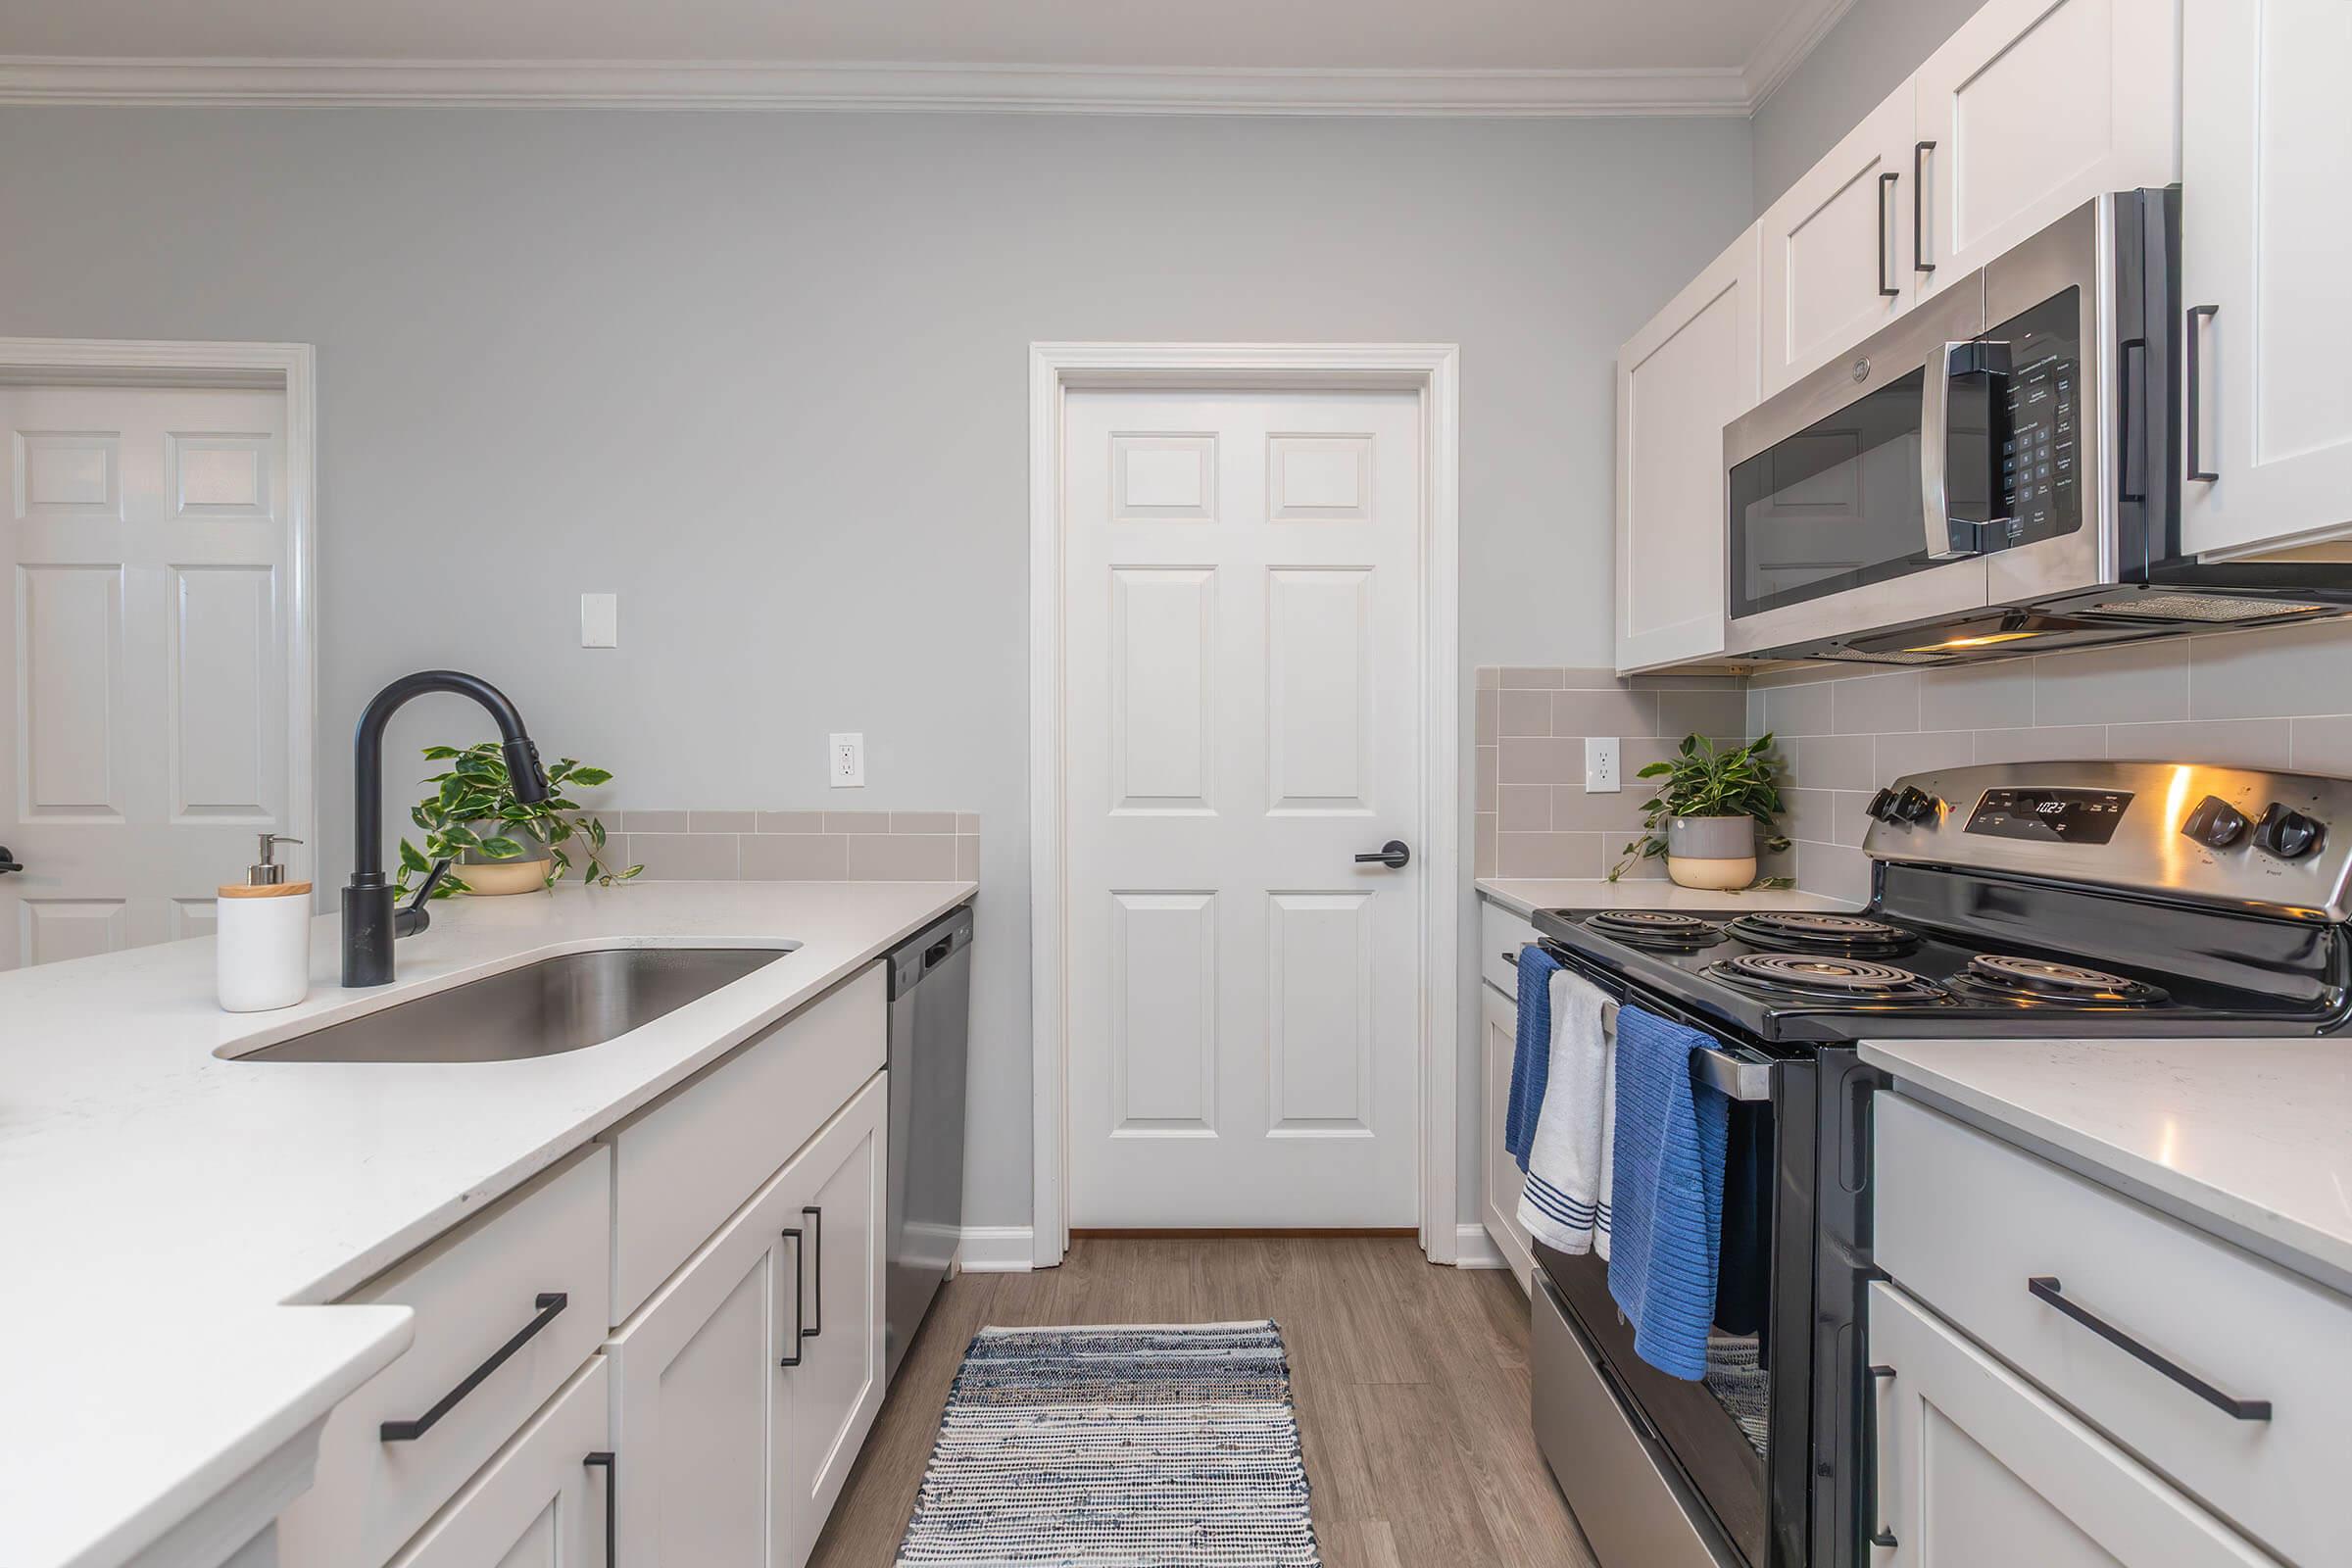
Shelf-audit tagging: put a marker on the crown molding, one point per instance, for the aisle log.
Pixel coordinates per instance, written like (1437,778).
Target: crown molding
(1786,47)
(1033,89)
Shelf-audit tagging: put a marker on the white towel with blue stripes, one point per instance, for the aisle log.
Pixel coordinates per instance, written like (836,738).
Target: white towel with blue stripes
(1566,1200)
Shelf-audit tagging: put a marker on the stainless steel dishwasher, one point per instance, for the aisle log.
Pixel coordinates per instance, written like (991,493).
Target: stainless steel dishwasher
(930,1026)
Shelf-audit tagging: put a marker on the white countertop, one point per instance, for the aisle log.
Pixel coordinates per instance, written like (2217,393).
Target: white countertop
(169,1220)
(2251,1139)
(1524,896)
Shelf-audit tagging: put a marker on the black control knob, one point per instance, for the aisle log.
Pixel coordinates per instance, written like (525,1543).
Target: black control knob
(1882,805)
(2287,834)
(2214,822)
(1912,805)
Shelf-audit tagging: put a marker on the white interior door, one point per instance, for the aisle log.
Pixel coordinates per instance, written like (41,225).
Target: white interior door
(1243,713)
(147,649)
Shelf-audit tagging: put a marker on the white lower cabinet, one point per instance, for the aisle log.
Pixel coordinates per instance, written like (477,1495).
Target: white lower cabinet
(1976,1466)
(743,1387)
(1498,1040)
(541,1500)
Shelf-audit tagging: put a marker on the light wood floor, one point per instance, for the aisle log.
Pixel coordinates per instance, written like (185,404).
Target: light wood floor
(1411,1381)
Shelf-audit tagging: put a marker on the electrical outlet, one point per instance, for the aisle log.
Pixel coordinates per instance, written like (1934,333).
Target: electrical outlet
(1600,765)
(600,620)
(845,762)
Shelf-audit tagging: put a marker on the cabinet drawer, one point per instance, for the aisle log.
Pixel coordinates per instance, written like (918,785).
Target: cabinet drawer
(683,1165)
(474,1290)
(1964,1222)
(538,1503)
(1499,931)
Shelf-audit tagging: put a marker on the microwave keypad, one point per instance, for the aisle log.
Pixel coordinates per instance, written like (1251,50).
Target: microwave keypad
(2040,482)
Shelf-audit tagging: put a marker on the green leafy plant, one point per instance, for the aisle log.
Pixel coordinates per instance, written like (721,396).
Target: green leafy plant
(473,807)
(1702,780)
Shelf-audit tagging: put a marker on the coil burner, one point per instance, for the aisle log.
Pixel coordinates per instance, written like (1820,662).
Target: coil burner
(2047,980)
(1822,977)
(1850,934)
(1655,929)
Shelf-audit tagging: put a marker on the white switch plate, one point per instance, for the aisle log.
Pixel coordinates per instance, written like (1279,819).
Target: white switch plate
(844,760)
(1600,765)
(600,620)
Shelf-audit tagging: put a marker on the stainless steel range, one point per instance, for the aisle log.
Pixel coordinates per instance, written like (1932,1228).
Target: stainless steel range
(2094,899)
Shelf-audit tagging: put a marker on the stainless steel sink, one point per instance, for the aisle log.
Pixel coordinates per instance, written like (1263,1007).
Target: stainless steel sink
(540,1009)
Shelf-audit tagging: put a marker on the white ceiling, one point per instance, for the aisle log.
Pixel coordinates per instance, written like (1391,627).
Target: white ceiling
(1709,56)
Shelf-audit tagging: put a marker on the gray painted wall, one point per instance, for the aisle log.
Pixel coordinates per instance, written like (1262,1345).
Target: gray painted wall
(1848,74)
(765,376)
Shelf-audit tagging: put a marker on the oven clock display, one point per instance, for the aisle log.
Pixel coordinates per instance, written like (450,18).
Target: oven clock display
(2051,817)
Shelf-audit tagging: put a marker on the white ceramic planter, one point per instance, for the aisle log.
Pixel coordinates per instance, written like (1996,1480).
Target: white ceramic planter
(1711,851)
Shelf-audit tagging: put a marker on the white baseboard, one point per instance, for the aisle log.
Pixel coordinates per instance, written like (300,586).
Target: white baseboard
(1473,1248)
(996,1249)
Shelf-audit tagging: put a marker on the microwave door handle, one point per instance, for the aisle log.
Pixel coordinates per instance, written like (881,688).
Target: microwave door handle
(1944,531)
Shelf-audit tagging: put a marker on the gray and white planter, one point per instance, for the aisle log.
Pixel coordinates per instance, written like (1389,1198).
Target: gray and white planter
(1711,851)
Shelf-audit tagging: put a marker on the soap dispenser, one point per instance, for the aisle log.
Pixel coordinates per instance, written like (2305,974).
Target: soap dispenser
(263,953)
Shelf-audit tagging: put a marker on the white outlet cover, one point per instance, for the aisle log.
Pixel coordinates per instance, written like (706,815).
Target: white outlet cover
(600,620)
(845,762)
(1601,769)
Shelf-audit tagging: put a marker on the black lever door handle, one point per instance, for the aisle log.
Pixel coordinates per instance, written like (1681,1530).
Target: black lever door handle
(548,1304)
(2046,1288)
(1393,854)
(7,861)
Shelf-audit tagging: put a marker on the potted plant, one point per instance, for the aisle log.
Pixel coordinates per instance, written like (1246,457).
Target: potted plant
(1704,817)
(501,844)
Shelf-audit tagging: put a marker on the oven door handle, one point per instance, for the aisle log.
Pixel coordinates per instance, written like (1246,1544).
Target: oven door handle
(1748,1082)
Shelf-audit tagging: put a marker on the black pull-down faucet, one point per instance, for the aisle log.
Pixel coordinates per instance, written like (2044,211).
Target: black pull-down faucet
(369,920)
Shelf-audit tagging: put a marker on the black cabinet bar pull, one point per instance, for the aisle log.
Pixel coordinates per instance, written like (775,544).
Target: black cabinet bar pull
(603,1460)
(1880,1534)
(816,1227)
(1918,208)
(800,1282)
(2046,1287)
(2195,377)
(1886,239)
(549,1303)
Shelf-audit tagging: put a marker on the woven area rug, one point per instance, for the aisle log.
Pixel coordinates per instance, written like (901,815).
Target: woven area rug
(1132,1446)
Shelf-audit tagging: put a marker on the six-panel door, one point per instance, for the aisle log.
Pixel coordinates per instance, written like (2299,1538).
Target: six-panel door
(2265,233)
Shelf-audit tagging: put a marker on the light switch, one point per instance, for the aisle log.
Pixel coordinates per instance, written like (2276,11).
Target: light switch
(845,762)
(1600,765)
(600,620)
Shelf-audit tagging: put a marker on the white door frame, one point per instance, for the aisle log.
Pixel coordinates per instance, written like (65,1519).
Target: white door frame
(290,368)
(1430,369)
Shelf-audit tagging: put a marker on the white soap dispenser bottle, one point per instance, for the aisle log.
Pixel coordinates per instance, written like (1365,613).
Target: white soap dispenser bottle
(263,956)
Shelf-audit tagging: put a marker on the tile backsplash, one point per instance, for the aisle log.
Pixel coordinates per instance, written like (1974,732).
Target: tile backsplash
(689,845)
(2278,699)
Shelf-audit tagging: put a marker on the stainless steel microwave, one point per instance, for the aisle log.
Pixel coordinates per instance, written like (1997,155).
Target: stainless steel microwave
(1996,473)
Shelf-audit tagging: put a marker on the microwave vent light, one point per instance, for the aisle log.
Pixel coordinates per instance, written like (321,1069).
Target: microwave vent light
(1959,645)
(2215,607)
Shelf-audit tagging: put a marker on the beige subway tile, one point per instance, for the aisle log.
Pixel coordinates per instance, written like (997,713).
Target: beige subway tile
(1621,712)
(1876,704)
(922,821)
(686,857)
(2135,683)
(1522,806)
(1701,712)
(1808,814)
(967,822)
(1798,709)
(2321,746)
(1833,871)
(1976,697)
(1836,763)
(1486,723)
(791,822)
(968,858)
(1541,760)
(1525,712)
(1922,753)
(1531,677)
(1680,680)
(1753,714)
(1482,798)
(656,822)
(2206,742)
(857,822)
(796,858)
(2286,672)
(1576,809)
(902,858)
(722,821)
(1592,678)
(1548,855)
(1488,677)
(2057,744)
(1482,844)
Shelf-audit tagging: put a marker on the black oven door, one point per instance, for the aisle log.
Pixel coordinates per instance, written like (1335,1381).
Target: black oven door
(1735,1448)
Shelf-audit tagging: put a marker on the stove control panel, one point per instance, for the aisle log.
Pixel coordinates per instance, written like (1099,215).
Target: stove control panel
(2231,836)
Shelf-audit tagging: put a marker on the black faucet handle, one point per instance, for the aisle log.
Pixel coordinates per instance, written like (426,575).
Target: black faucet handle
(525,778)
(412,917)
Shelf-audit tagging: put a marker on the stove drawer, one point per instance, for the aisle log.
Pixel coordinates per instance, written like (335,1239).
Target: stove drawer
(2049,1271)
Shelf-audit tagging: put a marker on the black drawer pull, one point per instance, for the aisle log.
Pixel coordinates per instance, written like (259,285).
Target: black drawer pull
(2047,1289)
(800,1286)
(1886,238)
(549,1303)
(604,1459)
(2194,375)
(817,1229)
(1880,1534)
(1919,205)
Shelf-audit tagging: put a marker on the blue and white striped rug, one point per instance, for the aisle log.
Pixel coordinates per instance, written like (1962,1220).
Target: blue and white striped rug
(1129,1447)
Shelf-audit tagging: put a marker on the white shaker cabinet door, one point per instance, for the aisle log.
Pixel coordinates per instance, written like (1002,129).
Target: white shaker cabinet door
(541,1500)
(1975,1465)
(2031,109)
(1836,248)
(2265,235)
(1680,380)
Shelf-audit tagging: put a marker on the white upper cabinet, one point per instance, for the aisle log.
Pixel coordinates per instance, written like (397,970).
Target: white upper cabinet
(2030,110)
(2265,239)
(1836,248)
(1680,380)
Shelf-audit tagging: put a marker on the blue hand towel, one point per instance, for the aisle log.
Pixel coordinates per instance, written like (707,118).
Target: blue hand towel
(1530,1052)
(1666,1212)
